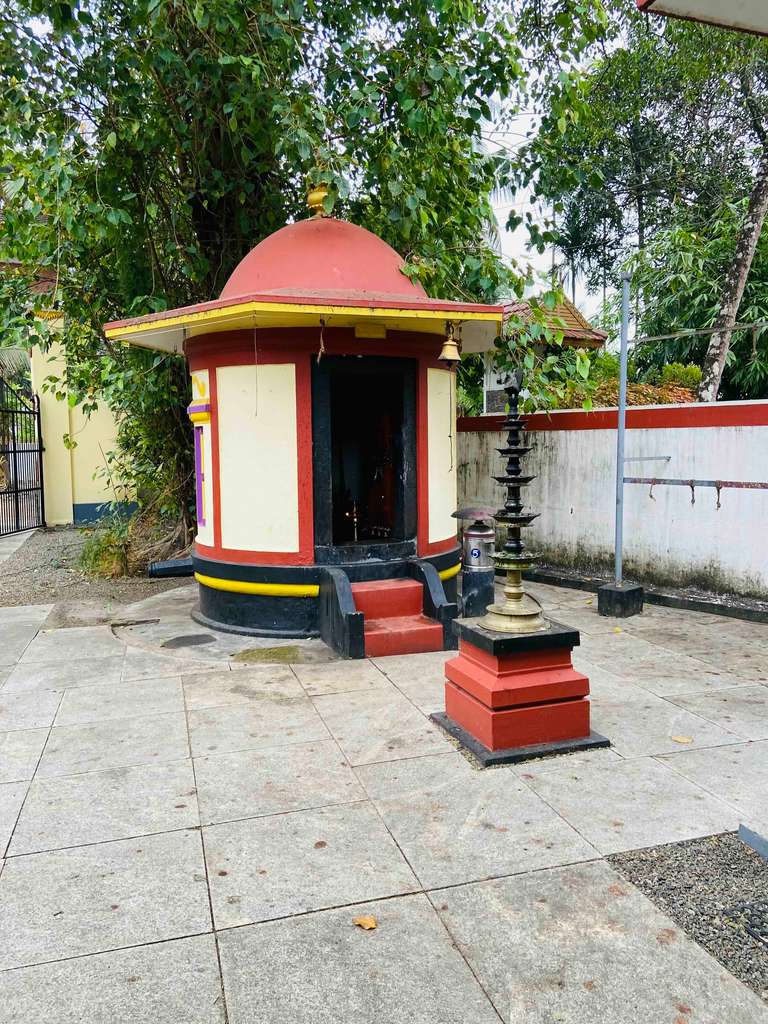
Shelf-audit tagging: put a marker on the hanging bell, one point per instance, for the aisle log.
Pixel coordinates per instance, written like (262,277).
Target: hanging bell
(450,354)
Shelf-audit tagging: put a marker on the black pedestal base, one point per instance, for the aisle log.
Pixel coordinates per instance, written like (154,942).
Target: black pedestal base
(477,591)
(514,755)
(620,602)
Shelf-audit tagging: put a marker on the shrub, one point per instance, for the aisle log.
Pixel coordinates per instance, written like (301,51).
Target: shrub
(688,376)
(105,551)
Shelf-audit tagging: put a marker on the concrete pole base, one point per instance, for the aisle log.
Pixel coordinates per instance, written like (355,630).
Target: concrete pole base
(620,602)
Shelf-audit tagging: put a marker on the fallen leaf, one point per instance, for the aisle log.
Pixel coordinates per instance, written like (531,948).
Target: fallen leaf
(590,601)
(367,923)
(682,739)
(617,629)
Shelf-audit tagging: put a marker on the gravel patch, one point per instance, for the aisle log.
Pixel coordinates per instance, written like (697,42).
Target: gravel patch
(702,884)
(45,570)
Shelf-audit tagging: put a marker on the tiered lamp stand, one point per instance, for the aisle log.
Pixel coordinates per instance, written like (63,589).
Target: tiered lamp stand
(512,692)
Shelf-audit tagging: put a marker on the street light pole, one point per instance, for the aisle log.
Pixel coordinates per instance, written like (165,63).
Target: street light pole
(616,598)
(621,428)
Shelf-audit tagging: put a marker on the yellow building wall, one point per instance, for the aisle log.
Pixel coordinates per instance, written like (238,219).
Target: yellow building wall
(73,489)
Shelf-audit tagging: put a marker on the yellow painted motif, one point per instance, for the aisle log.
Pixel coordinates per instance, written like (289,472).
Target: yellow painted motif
(199,387)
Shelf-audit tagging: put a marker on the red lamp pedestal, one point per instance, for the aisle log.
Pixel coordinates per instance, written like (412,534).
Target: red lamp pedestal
(512,697)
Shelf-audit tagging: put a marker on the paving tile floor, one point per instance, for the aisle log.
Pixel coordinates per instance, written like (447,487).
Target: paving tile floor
(187,837)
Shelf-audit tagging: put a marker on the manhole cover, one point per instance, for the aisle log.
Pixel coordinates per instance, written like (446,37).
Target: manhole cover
(752,917)
(193,640)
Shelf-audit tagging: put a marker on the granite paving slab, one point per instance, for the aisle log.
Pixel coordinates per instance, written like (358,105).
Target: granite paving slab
(681,636)
(683,675)
(587,621)
(35,614)
(631,804)
(57,645)
(340,677)
(737,774)
(51,675)
(321,969)
(419,677)
(602,756)
(95,898)
(265,868)
(164,983)
(588,948)
(251,783)
(605,686)
(19,753)
(270,721)
(28,710)
(222,687)
(379,725)
(15,639)
(456,824)
(100,806)
(11,798)
(143,664)
(750,661)
(742,710)
(84,705)
(119,743)
(641,723)
(404,667)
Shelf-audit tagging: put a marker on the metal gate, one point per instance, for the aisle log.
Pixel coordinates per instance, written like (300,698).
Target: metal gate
(21,461)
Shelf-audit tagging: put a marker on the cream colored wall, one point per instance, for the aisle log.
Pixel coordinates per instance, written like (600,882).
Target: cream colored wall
(68,474)
(258,457)
(441,433)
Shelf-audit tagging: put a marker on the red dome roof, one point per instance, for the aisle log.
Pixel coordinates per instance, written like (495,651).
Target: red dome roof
(325,258)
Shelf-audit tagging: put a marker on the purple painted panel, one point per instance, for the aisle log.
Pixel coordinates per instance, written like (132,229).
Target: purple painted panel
(199,477)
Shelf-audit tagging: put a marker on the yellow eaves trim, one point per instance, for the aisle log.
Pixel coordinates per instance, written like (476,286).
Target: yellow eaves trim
(168,333)
(265,589)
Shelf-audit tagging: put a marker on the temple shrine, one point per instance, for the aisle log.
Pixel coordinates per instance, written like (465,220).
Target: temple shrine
(323,417)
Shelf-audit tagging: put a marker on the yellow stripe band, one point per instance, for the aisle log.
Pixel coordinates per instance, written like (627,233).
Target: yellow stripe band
(284,589)
(265,589)
(448,574)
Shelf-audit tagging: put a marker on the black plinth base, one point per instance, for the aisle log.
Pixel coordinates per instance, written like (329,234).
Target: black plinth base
(514,755)
(477,591)
(501,644)
(620,602)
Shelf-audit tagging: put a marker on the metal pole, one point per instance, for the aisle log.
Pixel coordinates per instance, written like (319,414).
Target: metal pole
(621,426)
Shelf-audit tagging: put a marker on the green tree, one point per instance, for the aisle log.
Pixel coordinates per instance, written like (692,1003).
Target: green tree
(679,274)
(149,144)
(672,134)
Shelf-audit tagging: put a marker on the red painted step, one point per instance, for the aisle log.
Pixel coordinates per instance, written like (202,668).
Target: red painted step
(405,634)
(385,599)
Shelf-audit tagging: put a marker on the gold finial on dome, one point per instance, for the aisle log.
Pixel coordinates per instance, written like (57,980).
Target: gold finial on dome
(315,197)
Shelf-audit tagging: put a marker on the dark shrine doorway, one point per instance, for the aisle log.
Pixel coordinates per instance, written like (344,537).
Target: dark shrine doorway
(364,430)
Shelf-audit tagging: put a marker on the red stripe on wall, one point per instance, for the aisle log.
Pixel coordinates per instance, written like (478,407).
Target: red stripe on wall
(306,553)
(422,467)
(649,417)
(304,448)
(213,391)
(437,547)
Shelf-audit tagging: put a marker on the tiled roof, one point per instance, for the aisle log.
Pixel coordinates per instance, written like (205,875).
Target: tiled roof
(577,329)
